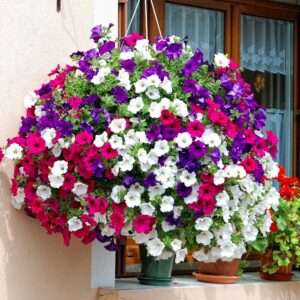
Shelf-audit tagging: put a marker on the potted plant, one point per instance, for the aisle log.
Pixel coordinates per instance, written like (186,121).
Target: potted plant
(283,248)
(149,141)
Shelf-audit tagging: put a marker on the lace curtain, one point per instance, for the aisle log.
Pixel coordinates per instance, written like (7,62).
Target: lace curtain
(204,27)
(267,48)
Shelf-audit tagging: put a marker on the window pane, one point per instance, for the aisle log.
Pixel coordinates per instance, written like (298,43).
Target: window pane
(267,57)
(135,25)
(204,27)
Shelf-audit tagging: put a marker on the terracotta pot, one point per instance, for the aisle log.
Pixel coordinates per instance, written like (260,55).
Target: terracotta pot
(283,273)
(220,267)
(267,260)
(218,272)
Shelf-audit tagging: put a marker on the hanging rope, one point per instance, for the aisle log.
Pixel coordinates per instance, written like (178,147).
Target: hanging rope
(133,15)
(146,17)
(156,19)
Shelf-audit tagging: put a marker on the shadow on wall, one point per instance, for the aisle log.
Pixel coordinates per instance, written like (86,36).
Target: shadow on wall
(36,266)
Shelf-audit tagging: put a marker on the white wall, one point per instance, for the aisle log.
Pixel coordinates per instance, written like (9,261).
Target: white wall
(34,38)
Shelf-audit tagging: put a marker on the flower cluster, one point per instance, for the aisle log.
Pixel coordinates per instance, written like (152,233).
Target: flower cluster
(284,236)
(149,141)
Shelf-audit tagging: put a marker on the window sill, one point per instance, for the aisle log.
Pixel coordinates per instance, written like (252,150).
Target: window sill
(250,287)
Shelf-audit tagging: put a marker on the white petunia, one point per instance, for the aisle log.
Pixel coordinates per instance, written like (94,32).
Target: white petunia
(141,85)
(116,142)
(176,244)
(200,255)
(38,111)
(137,188)
(100,76)
(136,105)
(14,151)
(147,209)
(44,192)
(161,148)
(222,199)
(48,134)
(183,140)
(116,191)
(153,94)
(56,181)
(30,100)
(131,138)
(117,125)
(221,60)
(155,190)
(80,189)
(203,223)
(74,224)
(167,203)
(193,197)
(19,199)
(126,55)
(123,77)
(164,255)
(153,80)
(60,167)
(155,247)
(177,210)
(188,178)
(132,199)
(166,85)
(180,108)
(101,139)
(127,163)
(180,255)
(155,110)
(166,227)
(204,238)
(219,177)
(56,150)
(211,138)
(228,249)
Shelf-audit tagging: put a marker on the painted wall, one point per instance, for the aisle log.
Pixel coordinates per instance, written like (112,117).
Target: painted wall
(34,38)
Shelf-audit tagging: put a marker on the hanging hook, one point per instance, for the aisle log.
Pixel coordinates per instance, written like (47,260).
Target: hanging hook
(58,5)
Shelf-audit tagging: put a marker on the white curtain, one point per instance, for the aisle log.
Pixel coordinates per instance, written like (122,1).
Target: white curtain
(203,27)
(267,46)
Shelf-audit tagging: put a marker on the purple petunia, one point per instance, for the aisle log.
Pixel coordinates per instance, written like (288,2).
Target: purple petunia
(174,50)
(128,181)
(119,94)
(107,47)
(183,191)
(150,180)
(96,33)
(197,149)
(128,65)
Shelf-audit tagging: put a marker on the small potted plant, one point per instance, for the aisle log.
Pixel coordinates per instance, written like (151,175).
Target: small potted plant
(283,246)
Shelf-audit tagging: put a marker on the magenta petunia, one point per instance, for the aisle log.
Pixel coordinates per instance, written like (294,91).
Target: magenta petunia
(195,128)
(143,223)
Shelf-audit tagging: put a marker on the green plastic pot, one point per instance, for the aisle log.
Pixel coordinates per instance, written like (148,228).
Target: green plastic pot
(155,272)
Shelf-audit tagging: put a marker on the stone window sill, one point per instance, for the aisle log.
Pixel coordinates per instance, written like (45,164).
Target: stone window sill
(250,287)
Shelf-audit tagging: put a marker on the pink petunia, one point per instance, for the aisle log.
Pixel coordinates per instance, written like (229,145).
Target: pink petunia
(74,102)
(250,136)
(166,117)
(69,181)
(195,128)
(143,223)
(260,148)
(207,191)
(249,164)
(271,138)
(132,39)
(96,205)
(35,143)
(84,138)
(108,152)
(117,221)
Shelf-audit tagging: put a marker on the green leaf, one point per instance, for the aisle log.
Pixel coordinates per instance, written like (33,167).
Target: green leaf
(260,244)
(281,223)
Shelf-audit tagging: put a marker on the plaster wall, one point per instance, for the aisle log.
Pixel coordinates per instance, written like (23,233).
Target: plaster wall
(34,38)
